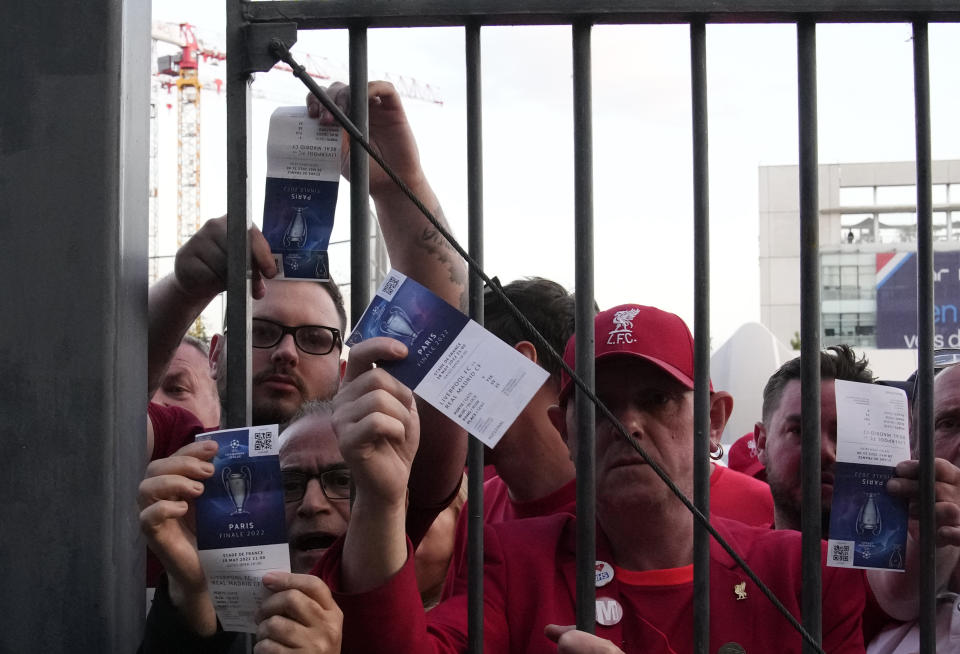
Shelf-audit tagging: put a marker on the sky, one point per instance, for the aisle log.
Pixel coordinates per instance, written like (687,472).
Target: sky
(643,212)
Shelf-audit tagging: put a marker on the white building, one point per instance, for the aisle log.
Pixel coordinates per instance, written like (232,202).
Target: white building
(868,228)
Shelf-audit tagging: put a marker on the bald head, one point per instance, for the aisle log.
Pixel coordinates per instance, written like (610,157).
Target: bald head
(946,415)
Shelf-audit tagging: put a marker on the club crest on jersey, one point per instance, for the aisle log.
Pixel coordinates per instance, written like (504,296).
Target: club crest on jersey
(622,331)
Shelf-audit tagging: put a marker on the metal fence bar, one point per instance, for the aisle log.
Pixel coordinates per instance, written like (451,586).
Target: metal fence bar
(701,337)
(427,13)
(810,514)
(338,13)
(583,248)
(359,178)
(475,229)
(925,299)
(237,409)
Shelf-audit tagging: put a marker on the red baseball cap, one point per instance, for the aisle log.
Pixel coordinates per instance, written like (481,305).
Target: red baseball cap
(639,331)
(743,457)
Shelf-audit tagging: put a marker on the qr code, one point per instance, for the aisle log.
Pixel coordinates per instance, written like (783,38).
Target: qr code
(262,441)
(841,553)
(390,285)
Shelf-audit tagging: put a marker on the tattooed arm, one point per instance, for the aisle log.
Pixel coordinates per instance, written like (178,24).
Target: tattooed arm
(417,250)
(415,247)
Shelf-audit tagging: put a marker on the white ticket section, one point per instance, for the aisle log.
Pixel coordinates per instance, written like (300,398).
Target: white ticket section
(481,383)
(872,424)
(298,147)
(234,577)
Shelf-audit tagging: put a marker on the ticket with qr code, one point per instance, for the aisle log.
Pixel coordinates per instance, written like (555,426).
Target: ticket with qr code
(454,364)
(303,178)
(868,526)
(241,531)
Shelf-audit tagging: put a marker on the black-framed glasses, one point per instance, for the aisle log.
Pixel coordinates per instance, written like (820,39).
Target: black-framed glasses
(335,483)
(312,339)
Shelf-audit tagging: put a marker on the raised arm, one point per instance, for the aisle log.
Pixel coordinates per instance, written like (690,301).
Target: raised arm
(377,427)
(415,247)
(420,252)
(199,275)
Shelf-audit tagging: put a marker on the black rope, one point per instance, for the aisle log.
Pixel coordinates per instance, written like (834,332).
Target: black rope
(280,50)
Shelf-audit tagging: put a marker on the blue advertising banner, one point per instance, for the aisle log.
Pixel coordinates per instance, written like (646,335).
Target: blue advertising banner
(897,299)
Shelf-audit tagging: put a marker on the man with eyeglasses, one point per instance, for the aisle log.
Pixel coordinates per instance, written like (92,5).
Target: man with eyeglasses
(288,371)
(316,484)
(297,326)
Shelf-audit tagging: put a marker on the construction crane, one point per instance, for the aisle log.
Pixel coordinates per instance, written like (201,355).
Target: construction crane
(184,68)
(181,71)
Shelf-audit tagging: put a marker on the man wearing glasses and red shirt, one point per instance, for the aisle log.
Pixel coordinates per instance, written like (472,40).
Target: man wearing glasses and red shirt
(316,486)
(297,326)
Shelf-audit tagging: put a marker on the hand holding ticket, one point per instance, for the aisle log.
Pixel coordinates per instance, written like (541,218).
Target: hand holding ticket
(454,364)
(868,526)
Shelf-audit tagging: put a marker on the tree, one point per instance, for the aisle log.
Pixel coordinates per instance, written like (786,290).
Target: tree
(199,330)
(794,342)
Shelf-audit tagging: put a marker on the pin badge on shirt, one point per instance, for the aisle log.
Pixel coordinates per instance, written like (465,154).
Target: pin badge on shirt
(604,573)
(609,611)
(731,648)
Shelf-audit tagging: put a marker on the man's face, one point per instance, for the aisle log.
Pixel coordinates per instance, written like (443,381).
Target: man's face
(189,384)
(779,445)
(658,411)
(313,523)
(284,377)
(946,415)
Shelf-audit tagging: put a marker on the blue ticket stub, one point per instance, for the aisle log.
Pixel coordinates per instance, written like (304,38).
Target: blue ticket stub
(410,313)
(297,221)
(240,523)
(242,503)
(454,364)
(303,177)
(868,526)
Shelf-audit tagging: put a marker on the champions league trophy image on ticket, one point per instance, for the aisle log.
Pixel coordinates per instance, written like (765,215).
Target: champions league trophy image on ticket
(397,324)
(240,525)
(296,234)
(869,524)
(237,485)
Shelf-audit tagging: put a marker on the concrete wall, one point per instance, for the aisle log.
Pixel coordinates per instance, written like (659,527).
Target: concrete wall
(73,179)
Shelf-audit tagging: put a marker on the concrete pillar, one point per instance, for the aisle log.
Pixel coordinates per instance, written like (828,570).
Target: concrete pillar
(73,265)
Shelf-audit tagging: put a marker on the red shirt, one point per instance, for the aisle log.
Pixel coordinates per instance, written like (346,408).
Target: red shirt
(740,497)
(173,427)
(498,507)
(529,582)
